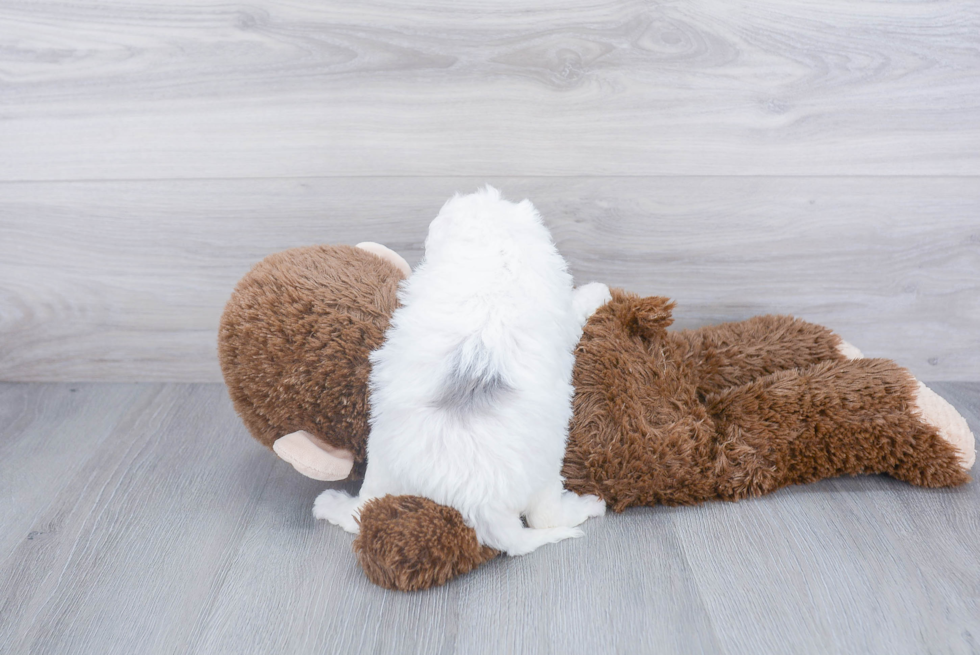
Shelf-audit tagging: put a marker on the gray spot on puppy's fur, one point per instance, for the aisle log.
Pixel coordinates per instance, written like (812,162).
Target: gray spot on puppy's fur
(474,382)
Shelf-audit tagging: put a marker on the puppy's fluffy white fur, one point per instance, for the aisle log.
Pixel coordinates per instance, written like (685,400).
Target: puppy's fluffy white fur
(471,391)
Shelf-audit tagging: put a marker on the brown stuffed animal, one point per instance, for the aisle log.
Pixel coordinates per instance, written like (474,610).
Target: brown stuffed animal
(722,412)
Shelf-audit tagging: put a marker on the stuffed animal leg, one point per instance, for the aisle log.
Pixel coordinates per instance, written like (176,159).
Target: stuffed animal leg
(732,354)
(864,416)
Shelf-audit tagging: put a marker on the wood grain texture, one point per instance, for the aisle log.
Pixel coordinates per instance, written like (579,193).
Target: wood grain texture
(174,532)
(41,448)
(131,548)
(127,280)
(130,89)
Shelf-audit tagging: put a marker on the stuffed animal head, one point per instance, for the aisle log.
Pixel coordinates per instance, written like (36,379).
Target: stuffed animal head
(293,344)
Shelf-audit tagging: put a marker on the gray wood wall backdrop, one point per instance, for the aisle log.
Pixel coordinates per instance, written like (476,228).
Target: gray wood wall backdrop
(820,159)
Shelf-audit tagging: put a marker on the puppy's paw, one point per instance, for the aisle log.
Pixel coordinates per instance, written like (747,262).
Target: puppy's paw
(937,412)
(578,509)
(587,299)
(560,534)
(338,508)
(596,506)
(532,539)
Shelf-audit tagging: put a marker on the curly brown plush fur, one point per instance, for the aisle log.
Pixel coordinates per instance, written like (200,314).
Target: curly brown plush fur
(294,342)
(411,543)
(735,410)
(719,413)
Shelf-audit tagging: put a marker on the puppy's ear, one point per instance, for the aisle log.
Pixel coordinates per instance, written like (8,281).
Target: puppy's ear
(646,318)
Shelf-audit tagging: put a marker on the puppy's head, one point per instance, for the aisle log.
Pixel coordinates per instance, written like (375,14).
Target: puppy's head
(484,226)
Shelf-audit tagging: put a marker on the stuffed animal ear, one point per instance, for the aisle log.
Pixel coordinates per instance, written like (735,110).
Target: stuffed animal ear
(647,318)
(411,543)
(313,458)
(387,254)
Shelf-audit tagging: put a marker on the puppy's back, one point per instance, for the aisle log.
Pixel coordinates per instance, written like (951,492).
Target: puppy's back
(477,366)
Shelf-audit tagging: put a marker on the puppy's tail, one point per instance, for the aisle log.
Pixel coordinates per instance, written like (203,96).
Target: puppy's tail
(476,378)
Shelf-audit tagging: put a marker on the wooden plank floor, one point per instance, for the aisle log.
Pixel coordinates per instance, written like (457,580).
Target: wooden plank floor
(141,518)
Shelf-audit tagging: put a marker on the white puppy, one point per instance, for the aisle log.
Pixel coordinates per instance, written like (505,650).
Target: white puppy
(471,391)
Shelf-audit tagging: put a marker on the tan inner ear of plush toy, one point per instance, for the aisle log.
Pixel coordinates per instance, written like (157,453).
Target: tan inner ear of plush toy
(849,351)
(312,458)
(386,254)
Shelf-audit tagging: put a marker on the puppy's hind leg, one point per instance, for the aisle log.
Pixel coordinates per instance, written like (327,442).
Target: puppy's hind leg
(554,507)
(340,508)
(504,531)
